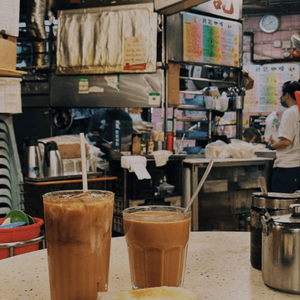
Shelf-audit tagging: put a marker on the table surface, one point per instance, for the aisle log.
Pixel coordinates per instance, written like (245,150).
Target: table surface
(226,160)
(218,267)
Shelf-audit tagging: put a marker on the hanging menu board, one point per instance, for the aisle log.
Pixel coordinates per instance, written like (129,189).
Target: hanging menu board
(211,40)
(268,81)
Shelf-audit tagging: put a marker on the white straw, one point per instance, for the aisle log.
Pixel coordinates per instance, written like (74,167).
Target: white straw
(199,185)
(83,162)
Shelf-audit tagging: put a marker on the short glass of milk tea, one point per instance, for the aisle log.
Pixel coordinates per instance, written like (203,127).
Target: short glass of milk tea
(157,241)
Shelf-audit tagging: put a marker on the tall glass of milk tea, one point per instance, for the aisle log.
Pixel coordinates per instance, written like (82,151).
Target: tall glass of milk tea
(78,229)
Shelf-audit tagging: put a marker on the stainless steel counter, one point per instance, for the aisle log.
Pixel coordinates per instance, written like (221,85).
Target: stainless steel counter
(228,188)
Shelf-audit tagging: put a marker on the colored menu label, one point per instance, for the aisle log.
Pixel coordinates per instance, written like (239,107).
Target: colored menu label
(268,81)
(211,40)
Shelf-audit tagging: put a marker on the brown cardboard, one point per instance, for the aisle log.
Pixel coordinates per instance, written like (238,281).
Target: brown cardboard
(8,52)
(173,84)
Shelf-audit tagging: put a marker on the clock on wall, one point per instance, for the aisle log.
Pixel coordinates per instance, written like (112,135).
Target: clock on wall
(269,23)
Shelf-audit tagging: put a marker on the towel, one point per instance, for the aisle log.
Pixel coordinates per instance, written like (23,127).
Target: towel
(161,157)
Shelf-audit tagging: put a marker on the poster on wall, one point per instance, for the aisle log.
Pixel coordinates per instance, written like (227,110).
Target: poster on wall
(268,80)
(211,40)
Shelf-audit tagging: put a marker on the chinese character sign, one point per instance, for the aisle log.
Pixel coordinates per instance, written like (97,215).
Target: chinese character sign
(211,40)
(268,81)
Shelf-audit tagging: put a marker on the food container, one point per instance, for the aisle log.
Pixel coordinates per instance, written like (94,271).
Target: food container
(192,150)
(281,250)
(275,203)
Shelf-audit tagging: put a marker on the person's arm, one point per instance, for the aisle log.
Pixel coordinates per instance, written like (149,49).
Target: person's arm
(282,143)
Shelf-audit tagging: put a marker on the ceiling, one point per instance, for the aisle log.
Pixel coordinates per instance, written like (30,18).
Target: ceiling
(250,7)
(278,7)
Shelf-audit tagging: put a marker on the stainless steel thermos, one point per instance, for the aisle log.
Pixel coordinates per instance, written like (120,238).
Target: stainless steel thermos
(32,160)
(53,165)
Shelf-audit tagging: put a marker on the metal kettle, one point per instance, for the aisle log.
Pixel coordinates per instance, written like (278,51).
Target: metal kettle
(280,250)
(53,165)
(32,160)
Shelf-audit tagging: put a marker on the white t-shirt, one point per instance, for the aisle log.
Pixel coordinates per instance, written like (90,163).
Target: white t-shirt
(289,157)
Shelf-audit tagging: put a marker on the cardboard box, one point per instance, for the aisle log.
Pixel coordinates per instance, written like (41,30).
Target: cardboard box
(8,52)
(9,17)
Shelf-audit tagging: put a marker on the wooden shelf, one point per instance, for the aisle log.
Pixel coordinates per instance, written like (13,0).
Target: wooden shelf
(102,178)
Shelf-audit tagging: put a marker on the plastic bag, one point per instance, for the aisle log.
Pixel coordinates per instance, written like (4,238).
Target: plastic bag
(241,149)
(217,149)
(272,124)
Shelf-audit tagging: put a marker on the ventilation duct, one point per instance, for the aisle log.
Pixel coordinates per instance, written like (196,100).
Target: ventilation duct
(36,12)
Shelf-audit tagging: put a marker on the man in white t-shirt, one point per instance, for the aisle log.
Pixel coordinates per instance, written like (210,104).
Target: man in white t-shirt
(286,169)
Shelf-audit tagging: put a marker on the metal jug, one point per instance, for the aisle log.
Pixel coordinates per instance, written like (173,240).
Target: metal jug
(32,160)
(280,250)
(53,165)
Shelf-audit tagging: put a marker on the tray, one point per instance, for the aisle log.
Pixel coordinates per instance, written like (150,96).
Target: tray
(64,177)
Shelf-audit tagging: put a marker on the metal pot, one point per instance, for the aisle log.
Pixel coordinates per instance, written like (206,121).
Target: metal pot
(281,250)
(275,203)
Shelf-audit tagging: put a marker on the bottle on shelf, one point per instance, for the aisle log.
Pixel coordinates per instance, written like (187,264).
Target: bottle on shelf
(170,141)
(150,147)
(136,145)
(143,145)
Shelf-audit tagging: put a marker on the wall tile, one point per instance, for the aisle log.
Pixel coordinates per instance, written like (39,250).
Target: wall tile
(295,21)
(267,37)
(285,22)
(266,49)
(277,52)
(251,23)
(276,35)
(258,37)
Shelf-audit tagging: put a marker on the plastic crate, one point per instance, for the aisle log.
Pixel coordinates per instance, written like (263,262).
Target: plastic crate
(10,95)
(118,224)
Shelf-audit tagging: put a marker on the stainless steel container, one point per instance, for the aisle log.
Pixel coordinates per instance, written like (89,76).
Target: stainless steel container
(32,165)
(275,203)
(281,250)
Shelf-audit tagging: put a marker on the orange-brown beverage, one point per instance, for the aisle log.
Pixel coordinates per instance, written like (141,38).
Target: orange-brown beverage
(78,233)
(157,239)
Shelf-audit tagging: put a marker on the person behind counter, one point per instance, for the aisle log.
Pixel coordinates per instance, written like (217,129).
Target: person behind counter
(219,126)
(101,123)
(285,177)
(251,135)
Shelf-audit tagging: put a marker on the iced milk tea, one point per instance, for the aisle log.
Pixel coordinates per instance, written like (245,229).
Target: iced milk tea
(78,234)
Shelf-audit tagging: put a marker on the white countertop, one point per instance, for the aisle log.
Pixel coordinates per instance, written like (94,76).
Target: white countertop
(218,267)
(226,160)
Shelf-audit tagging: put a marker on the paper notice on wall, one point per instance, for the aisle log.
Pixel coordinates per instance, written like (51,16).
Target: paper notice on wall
(9,17)
(135,52)
(268,81)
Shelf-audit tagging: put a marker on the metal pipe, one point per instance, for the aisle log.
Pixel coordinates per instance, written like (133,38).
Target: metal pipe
(265,61)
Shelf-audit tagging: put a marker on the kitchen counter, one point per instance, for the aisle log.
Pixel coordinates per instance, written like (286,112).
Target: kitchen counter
(218,267)
(227,191)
